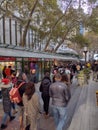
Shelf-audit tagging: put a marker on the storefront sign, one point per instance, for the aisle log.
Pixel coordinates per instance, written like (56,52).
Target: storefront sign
(33,59)
(7,59)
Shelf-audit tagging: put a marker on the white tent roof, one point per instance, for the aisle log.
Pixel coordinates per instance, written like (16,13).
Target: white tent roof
(28,54)
(67,50)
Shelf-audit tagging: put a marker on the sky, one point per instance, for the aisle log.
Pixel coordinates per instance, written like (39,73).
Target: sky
(84,4)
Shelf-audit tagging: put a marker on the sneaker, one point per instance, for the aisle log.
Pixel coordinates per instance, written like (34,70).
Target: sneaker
(12,118)
(3,126)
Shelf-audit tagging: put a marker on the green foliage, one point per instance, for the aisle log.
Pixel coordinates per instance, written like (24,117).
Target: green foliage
(92,1)
(92,21)
(48,20)
(86,71)
(81,40)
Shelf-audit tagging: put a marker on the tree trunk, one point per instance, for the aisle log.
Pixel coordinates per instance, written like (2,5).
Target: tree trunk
(23,43)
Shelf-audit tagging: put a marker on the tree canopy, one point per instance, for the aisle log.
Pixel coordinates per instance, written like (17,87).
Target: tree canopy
(47,19)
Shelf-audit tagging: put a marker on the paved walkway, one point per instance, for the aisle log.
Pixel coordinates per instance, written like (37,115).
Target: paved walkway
(82,110)
(86,112)
(43,124)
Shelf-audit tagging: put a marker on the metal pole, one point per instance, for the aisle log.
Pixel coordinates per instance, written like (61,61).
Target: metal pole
(85,52)
(85,55)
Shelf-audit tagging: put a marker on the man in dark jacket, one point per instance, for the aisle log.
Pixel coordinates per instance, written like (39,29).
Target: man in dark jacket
(44,88)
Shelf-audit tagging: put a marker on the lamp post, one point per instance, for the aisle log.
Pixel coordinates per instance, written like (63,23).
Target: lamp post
(85,52)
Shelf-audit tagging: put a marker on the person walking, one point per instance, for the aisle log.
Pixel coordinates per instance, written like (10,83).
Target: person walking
(44,89)
(5,88)
(31,107)
(59,94)
(20,79)
(32,77)
(65,80)
(68,74)
(14,81)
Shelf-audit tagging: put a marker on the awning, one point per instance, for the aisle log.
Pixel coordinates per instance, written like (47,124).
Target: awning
(28,54)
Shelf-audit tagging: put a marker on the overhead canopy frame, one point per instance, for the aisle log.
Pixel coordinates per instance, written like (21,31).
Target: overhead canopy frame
(28,54)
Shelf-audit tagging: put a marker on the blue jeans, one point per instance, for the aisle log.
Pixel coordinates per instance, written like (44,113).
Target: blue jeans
(60,116)
(5,116)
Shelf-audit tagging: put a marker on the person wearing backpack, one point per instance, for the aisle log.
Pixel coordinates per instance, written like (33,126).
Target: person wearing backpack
(20,79)
(44,89)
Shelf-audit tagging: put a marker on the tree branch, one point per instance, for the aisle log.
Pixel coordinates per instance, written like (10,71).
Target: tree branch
(53,27)
(28,23)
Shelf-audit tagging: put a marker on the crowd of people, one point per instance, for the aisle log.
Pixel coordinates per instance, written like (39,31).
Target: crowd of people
(56,87)
(11,79)
(29,107)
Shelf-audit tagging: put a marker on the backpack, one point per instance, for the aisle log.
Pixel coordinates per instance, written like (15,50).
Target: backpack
(15,95)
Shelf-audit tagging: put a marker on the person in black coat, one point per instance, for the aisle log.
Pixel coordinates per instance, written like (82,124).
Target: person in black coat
(44,89)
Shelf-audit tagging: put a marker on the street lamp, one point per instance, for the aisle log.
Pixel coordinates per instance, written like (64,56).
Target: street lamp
(85,52)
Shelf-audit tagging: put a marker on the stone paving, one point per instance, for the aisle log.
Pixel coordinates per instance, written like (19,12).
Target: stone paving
(48,124)
(85,116)
(43,124)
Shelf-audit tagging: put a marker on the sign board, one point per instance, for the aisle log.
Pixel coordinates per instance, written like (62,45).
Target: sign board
(7,59)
